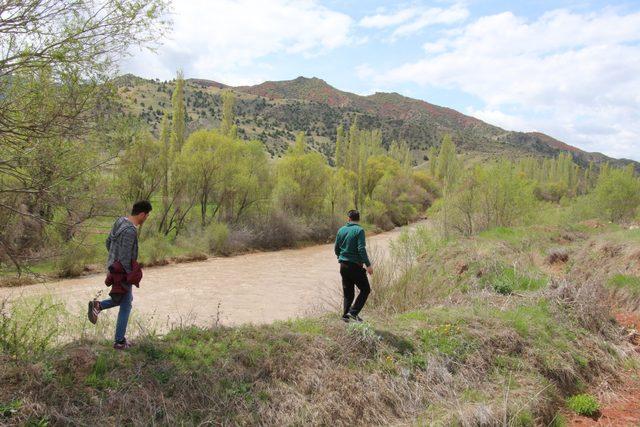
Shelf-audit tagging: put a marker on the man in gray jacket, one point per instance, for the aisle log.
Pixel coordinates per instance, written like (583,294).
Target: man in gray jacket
(122,245)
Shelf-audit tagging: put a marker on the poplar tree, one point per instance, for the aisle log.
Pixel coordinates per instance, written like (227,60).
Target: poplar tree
(447,164)
(178,133)
(432,154)
(228,127)
(166,160)
(341,147)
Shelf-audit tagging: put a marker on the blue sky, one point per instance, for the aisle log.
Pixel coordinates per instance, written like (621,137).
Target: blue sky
(567,68)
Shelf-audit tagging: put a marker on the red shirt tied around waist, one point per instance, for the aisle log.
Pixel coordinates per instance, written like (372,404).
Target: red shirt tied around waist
(123,270)
(121,281)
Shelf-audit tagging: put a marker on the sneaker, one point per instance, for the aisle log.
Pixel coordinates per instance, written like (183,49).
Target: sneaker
(93,311)
(355,318)
(122,345)
(345,318)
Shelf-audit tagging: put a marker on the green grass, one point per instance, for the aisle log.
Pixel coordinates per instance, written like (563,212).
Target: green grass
(99,376)
(10,408)
(583,404)
(447,340)
(303,325)
(623,282)
(507,280)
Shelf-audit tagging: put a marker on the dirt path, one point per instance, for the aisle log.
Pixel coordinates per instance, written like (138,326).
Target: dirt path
(252,288)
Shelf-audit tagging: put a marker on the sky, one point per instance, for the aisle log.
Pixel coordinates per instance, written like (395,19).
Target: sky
(570,69)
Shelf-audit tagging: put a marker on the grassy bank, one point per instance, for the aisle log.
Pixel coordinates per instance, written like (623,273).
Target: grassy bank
(488,330)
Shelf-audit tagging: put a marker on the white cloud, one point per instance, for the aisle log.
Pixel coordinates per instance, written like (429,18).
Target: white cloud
(413,19)
(561,71)
(433,16)
(214,38)
(382,21)
(500,118)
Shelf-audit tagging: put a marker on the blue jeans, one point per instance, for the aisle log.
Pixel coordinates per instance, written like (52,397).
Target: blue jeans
(123,313)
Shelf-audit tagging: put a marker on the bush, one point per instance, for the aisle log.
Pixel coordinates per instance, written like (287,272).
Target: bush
(75,257)
(617,195)
(507,280)
(217,235)
(29,329)
(584,404)
(155,250)
(551,191)
(277,230)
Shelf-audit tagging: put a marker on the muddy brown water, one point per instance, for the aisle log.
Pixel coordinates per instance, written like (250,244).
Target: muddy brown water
(253,288)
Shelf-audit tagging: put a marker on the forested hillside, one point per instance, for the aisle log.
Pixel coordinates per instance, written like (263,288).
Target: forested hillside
(273,111)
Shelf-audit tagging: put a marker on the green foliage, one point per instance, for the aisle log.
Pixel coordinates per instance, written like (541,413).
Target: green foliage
(98,378)
(445,339)
(155,249)
(506,280)
(583,404)
(227,125)
(557,177)
(491,196)
(340,153)
(617,195)
(178,133)
(74,256)
(139,171)
(8,409)
(301,180)
(448,166)
(29,329)
(217,238)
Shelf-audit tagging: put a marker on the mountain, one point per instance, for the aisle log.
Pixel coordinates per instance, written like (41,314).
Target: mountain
(274,111)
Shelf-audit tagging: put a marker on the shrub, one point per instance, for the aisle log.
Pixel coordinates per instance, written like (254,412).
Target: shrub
(217,235)
(551,192)
(155,250)
(277,230)
(557,255)
(507,280)
(583,404)
(75,257)
(28,329)
(617,194)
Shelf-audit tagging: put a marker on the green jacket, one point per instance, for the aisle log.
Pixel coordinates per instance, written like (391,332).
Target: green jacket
(350,245)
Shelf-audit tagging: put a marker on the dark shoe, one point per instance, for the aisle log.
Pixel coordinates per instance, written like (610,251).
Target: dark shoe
(94,310)
(345,318)
(355,318)
(122,345)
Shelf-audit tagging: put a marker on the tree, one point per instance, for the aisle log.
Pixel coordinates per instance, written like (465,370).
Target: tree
(341,147)
(178,133)
(227,126)
(447,163)
(301,179)
(139,171)
(166,157)
(56,60)
(617,194)
(433,161)
(447,173)
(400,151)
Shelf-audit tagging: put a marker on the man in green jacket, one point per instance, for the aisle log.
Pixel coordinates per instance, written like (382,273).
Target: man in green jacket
(351,250)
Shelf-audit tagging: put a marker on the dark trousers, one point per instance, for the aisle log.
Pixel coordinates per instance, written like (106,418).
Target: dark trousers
(354,275)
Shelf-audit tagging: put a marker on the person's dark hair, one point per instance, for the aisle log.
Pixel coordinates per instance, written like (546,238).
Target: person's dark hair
(354,215)
(141,206)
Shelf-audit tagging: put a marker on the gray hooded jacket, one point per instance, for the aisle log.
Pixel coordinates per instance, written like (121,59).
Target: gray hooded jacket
(122,243)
